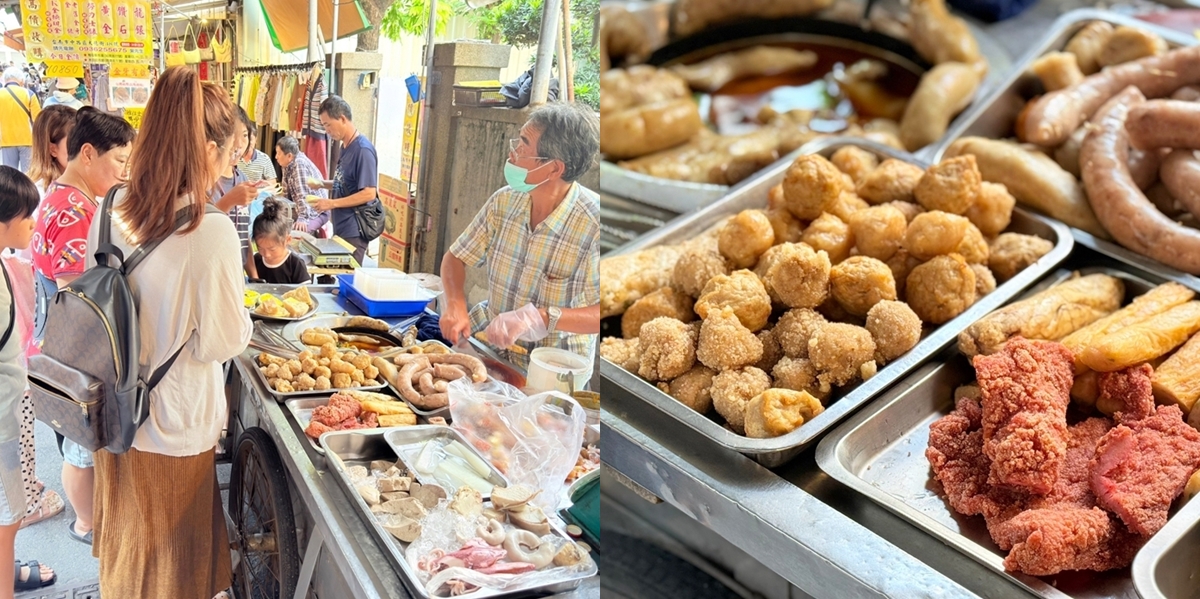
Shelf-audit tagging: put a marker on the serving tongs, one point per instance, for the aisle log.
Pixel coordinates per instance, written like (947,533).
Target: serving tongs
(267,340)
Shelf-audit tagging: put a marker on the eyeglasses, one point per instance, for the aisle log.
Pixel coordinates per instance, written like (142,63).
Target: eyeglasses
(517,142)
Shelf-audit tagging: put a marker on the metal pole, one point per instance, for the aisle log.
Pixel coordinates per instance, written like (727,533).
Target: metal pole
(162,47)
(569,82)
(314,51)
(545,53)
(562,70)
(333,50)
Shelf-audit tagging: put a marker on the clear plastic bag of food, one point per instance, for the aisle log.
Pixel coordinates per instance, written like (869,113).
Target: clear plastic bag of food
(533,440)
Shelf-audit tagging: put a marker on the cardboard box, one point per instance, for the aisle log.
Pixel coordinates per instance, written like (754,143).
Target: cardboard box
(393,194)
(410,155)
(393,254)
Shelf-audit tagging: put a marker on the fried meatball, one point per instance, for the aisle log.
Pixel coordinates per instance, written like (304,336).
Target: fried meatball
(941,289)
(829,233)
(973,247)
(860,282)
(992,209)
(893,180)
(742,291)
(664,302)
(668,349)
(797,276)
(985,281)
(794,329)
(732,390)
(901,263)
(934,234)
(847,204)
(777,412)
(1012,252)
(692,388)
(625,353)
(909,209)
(772,351)
(895,329)
(811,186)
(341,380)
(694,269)
(878,231)
(745,237)
(838,351)
(797,374)
(775,199)
(854,161)
(950,186)
(787,228)
(725,344)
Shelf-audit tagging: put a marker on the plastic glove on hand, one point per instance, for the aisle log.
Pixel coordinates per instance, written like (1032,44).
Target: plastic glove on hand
(524,323)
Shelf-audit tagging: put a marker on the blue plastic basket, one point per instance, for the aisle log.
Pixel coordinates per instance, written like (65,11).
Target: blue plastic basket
(376,308)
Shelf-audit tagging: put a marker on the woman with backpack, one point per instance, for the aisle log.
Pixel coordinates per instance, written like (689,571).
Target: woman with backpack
(159,525)
(18,200)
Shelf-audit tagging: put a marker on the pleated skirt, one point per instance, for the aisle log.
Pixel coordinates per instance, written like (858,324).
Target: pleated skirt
(159,526)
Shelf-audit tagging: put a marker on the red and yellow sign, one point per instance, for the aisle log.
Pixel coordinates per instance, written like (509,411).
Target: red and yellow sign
(96,31)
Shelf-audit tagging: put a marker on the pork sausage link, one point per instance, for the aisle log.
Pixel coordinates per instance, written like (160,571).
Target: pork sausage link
(404,383)
(1164,124)
(1181,176)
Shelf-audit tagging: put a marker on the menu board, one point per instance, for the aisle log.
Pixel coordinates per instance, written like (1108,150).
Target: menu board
(93,31)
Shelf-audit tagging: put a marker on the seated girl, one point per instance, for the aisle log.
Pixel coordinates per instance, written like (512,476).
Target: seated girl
(274,261)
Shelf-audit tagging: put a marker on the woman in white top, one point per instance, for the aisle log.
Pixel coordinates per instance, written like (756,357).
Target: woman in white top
(159,525)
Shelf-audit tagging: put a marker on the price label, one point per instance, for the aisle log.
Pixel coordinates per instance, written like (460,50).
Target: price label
(64,69)
(134,116)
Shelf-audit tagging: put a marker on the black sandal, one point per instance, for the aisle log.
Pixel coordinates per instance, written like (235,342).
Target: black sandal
(34,581)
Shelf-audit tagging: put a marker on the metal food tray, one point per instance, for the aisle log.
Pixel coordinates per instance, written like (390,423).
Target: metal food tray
(408,441)
(994,116)
(278,290)
(777,451)
(262,377)
(426,414)
(881,454)
(1167,565)
(350,448)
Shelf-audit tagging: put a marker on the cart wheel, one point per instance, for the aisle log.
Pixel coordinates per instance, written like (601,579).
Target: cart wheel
(262,517)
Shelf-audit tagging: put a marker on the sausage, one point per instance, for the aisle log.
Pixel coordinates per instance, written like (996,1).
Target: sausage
(1057,70)
(1088,43)
(435,401)
(1164,124)
(1180,174)
(942,93)
(425,384)
(475,365)
(1033,178)
(449,372)
(1119,204)
(1050,119)
(1187,93)
(440,386)
(403,380)
(940,37)
(1067,155)
(1143,166)
(1160,195)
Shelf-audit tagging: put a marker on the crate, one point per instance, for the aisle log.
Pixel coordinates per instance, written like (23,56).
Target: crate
(478,96)
(380,309)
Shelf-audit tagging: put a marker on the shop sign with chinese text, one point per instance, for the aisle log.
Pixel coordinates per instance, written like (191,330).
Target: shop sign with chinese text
(92,31)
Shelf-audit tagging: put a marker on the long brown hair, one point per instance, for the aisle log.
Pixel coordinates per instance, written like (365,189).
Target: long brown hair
(49,128)
(170,156)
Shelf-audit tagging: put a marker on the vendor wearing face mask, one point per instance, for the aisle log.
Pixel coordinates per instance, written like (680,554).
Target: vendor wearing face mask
(539,238)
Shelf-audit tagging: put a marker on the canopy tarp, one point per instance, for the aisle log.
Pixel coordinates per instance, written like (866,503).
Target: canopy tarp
(287,20)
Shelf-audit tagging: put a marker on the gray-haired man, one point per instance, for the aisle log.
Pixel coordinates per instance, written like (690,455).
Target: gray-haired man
(18,108)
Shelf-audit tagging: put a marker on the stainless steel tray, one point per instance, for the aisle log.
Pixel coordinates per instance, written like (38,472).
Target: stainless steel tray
(350,448)
(278,290)
(993,117)
(777,451)
(881,454)
(668,194)
(407,443)
(262,377)
(302,409)
(1167,565)
(426,414)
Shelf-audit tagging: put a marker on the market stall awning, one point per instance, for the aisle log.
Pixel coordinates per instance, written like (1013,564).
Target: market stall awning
(287,21)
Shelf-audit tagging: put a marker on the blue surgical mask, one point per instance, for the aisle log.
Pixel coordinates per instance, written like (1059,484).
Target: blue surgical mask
(515,176)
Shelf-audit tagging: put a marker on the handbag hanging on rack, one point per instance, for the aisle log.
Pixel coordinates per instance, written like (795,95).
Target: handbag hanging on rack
(190,56)
(222,49)
(173,49)
(205,42)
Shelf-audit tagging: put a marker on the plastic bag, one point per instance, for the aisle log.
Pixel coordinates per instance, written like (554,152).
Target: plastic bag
(533,440)
(20,271)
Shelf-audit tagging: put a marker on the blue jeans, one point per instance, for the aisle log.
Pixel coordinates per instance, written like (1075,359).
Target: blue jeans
(17,157)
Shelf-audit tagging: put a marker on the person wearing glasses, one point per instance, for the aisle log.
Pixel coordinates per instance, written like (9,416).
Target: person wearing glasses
(539,238)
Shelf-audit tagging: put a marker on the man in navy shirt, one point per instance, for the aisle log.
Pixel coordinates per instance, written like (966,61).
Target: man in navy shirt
(356,178)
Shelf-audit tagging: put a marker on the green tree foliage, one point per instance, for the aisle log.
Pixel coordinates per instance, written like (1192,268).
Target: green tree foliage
(412,17)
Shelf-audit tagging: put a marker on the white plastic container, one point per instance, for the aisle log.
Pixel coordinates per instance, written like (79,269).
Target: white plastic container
(547,363)
(387,284)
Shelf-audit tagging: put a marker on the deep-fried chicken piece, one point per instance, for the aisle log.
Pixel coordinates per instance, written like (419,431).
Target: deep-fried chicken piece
(1141,466)
(985,281)
(941,289)
(695,267)
(839,351)
(878,231)
(725,344)
(732,391)
(797,374)
(788,228)
(1127,393)
(895,328)
(664,302)
(950,186)
(860,282)
(811,186)
(776,412)
(625,353)
(1026,389)
(745,237)
(772,351)
(1049,541)
(992,209)
(934,234)
(795,275)
(831,234)
(668,349)
(854,161)
(894,180)
(795,328)
(625,279)
(1011,253)
(692,388)
(955,453)
(743,292)
(973,247)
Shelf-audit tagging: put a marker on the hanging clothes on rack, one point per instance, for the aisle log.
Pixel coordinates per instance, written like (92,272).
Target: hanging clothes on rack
(316,141)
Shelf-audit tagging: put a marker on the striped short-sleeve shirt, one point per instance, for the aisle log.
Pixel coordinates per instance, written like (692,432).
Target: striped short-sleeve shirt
(555,264)
(258,168)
